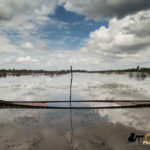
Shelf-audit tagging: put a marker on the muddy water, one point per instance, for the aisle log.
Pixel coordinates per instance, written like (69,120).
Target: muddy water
(80,129)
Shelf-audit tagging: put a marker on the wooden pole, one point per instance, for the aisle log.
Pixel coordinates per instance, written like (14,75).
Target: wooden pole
(71,84)
(71,126)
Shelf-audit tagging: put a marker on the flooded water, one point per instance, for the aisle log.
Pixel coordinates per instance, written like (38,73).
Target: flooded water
(80,129)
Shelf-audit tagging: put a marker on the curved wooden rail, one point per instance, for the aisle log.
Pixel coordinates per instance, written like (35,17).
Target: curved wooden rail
(38,105)
(82,101)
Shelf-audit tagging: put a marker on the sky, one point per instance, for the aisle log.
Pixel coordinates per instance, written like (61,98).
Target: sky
(87,34)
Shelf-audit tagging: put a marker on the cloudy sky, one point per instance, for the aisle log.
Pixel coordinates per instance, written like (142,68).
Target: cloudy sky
(87,34)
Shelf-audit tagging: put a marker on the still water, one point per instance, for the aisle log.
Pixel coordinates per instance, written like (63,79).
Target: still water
(79,129)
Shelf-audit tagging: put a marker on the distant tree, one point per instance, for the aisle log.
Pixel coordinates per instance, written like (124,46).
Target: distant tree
(138,68)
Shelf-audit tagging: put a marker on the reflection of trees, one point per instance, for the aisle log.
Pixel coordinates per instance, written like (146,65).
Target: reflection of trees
(138,75)
(14,72)
(3,74)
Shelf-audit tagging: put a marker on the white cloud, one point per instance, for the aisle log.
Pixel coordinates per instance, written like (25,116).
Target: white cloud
(27,45)
(14,8)
(26,59)
(21,22)
(119,37)
(6,46)
(123,41)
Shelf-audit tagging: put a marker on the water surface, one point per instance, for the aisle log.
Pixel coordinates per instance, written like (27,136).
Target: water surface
(82,129)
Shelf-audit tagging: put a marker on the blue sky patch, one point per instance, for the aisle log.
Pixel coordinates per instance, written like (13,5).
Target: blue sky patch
(75,30)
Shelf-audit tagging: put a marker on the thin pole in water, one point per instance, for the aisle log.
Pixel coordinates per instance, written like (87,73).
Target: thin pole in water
(71,140)
(71,84)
